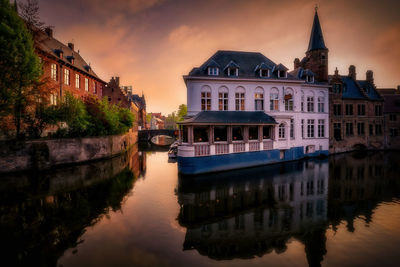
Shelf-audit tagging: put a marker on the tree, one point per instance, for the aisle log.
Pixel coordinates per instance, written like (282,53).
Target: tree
(29,11)
(19,65)
(182,111)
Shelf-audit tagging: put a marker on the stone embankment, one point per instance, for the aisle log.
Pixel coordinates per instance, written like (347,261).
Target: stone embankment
(43,154)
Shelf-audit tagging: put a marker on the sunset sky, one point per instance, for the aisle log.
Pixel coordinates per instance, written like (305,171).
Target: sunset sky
(151,44)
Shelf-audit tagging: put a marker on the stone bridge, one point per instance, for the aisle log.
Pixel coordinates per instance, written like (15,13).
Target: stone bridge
(146,135)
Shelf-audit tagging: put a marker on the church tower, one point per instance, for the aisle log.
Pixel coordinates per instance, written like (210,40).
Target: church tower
(317,53)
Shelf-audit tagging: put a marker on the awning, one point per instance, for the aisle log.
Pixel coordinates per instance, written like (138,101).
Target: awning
(230,117)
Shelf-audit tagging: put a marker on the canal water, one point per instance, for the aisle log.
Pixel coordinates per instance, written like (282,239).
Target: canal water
(135,210)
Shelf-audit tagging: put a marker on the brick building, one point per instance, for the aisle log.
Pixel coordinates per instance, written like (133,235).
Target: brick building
(65,67)
(391,112)
(355,106)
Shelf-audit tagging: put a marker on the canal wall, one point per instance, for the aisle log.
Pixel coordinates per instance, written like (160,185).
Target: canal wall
(43,154)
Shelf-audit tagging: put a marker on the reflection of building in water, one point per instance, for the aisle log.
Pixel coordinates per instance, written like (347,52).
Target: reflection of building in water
(44,214)
(358,183)
(250,212)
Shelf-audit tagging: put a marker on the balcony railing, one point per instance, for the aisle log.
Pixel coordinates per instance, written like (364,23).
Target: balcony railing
(267,145)
(202,150)
(221,148)
(254,146)
(238,147)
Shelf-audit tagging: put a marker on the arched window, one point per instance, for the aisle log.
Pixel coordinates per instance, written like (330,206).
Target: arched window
(281,131)
(289,99)
(259,99)
(310,103)
(274,102)
(205,98)
(239,98)
(223,98)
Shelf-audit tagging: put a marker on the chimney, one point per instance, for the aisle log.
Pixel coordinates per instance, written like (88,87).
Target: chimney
(336,72)
(296,63)
(370,76)
(352,72)
(71,45)
(49,31)
(117,80)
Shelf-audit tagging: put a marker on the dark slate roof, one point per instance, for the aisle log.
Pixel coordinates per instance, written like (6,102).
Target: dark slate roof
(359,89)
(301,73)
(316,37)
(246,61)
(392,104)
(139,100)
(53,47)
(230,117)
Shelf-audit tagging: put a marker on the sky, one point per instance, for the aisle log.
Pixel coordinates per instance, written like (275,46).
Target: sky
(151,44)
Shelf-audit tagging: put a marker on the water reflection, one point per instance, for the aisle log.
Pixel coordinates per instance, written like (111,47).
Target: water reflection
(43,214)
(252,212)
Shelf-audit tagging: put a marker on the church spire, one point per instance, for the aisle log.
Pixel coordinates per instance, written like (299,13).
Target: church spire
(316,38)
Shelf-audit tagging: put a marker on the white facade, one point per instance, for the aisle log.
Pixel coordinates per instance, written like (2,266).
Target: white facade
(315,107)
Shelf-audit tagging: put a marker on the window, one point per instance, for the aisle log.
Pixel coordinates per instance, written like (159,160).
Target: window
(361,110)
(239,101)
(371,129)
(349,128)
(274,103)
(337,109)
(200,134)
(392,117)
(86,84)
(360,128)
(282,74)
(223,101)
(310,103)
(292,128)
(266,132)
(378,129)
(321,128)
(253,132)
(337,88)
(310,79)
(302,102)
(66,76)
(213,71)
(310,128)
(205,100)
(259,101)
(321,104)
(264,73)
(393,132)
(53,73)
(53,99)
(337,131)
(289,102)
(302,128)
(237,133)
(281,131)
(378,110)
(77,83)
(220,133)
(94,87)
(349,109)
(233,72)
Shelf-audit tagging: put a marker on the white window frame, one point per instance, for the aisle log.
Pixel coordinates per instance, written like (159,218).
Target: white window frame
(261,73)
(281,131)
(310,128)
(310,103)
(206,98)
(274,101)
(77,81)
(86,84)
(213,71)
(230,74)
(259,101)
(66,76)
(321,128)
(223,101)
(53,72)
(321,104)
(240,101)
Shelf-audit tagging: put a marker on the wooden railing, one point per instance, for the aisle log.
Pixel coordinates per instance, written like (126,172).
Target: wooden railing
(221,148)
(254,146)
(268,145)
(202,150)
(238,147)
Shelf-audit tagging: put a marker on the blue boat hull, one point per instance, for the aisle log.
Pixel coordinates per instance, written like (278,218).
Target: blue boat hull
(215,163)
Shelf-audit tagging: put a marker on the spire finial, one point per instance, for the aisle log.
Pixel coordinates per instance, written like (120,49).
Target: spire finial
(316,7)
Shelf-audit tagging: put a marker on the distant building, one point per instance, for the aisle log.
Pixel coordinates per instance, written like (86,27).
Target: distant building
(157,121)
(391,112)
(65,67)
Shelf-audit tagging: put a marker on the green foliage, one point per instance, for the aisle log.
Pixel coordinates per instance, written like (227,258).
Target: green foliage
(73,112)
(44,116)
(19,65)
(182,111)
(148,118)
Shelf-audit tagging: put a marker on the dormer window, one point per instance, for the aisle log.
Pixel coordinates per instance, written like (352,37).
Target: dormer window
(264,73)
(233,72)
(282,74)
(310,79)
(213,71)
